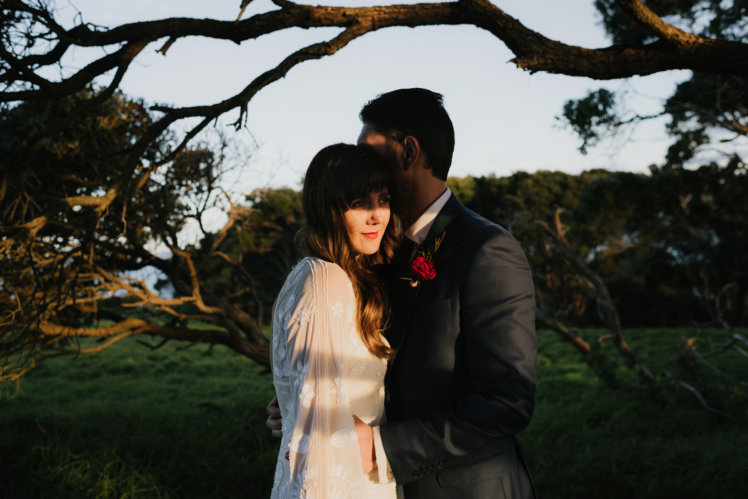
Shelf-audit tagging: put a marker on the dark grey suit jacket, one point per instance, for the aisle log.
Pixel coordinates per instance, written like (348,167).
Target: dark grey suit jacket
(462,382)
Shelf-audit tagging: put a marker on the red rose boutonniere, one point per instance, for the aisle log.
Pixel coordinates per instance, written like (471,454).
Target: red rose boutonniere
(422,266)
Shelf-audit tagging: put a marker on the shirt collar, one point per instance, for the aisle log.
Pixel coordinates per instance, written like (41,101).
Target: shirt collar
(420,228)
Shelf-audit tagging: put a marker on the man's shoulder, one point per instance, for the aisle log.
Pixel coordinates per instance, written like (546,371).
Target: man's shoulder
(482,236)
(475,226)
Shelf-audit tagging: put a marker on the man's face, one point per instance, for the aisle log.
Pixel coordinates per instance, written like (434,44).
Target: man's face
(385,146)
(373,138)
(393,151)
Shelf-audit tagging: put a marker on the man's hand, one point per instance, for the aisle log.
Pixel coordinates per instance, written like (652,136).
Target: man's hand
(365,444)
(274,420)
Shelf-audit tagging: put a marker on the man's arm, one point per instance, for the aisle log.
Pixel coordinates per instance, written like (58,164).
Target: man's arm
(274,421)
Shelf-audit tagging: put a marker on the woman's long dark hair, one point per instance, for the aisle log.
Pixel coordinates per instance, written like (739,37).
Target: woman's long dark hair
(338,175)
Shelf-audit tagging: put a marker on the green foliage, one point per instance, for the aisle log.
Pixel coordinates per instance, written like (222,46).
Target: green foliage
(624,30)
(190,423)
(715,19)
(462,187)
(669,242)
(621,28)
(703,104)
(82,212)
(588,117)
(702,108)
(520,203)
(666,243)
(263,240)
(51,151)
(637,231)
(275,213)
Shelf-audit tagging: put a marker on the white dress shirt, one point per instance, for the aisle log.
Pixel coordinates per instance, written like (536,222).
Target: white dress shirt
(420,228)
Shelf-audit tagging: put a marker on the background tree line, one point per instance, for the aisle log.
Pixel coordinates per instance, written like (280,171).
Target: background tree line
(95,187)
(670,244)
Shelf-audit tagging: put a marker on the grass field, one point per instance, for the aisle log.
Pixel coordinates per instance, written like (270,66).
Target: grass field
(190,423)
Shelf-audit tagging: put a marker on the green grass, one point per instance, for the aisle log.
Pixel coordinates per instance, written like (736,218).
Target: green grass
(587,440)
(138,423)
(190,423)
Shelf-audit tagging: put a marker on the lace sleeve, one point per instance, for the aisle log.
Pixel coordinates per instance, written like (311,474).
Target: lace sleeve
(323,452)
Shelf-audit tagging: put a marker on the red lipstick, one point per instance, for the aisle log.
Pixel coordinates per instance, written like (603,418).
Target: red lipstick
(371,235)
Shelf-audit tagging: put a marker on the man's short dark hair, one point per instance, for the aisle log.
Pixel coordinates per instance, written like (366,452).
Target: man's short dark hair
(417,112)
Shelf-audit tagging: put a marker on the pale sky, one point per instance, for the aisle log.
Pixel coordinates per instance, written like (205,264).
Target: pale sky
(503,117)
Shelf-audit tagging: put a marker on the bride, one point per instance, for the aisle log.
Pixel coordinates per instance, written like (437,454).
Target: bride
(328,354)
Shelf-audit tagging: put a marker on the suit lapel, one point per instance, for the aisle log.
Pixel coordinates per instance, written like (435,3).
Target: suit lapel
(442,221)
(445,217)
(407,296)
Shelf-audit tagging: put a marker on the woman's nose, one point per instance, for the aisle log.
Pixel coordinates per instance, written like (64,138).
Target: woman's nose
(375,216)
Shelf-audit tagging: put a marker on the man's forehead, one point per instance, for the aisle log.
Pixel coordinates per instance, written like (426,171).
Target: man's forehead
(370,136)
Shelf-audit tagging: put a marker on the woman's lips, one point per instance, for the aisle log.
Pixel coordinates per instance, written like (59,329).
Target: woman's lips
(371,235)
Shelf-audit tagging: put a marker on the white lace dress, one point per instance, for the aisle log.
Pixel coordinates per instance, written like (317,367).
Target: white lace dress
(323,375)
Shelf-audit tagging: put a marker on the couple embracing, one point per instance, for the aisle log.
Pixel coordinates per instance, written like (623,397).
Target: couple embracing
(403,353)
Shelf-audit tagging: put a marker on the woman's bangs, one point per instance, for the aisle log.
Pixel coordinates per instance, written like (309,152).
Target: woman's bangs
(359,179)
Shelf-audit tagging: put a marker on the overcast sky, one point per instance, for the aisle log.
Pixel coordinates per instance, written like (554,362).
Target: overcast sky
(504,117)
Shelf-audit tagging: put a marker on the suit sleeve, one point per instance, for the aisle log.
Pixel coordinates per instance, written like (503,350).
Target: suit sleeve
(497,324)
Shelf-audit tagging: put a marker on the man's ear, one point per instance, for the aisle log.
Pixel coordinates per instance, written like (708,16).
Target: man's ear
(411,150)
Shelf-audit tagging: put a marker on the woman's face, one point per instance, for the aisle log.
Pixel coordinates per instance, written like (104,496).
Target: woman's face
(366,220)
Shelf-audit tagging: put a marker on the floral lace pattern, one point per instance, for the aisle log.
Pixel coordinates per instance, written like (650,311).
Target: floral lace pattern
(323,375)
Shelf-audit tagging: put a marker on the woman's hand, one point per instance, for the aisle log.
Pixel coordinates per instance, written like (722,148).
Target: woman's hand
(365,444)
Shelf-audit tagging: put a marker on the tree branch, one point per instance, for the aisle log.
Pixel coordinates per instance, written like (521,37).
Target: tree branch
(533,51)
(655,25)
(605,302)
(569,335)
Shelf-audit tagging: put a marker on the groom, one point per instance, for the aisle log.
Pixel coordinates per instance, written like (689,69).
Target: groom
(462,382)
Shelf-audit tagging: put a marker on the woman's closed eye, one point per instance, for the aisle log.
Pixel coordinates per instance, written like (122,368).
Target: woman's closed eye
(374,200)
(358,203)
